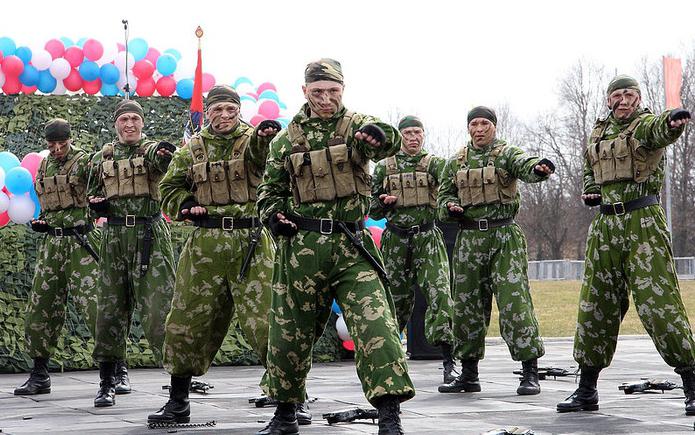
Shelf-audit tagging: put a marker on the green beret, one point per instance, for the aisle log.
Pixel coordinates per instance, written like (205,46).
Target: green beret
(482,112)
(324,69)
(128,106)
(57,129)
(622,82)
(222,93)
(409,121)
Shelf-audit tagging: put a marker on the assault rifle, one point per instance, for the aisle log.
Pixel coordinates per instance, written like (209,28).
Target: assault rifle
(510,431)
(196,387)
(350,415)
(555,372)
(647,385)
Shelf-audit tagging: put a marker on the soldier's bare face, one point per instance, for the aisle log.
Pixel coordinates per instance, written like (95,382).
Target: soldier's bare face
(58,148)
(325,98)
(624,102)
(413,138)
(482,132)
(223,117)
(129,128)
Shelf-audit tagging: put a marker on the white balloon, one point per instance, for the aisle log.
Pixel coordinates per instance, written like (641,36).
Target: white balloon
(120,61)
(184,71)
(342,328)
(44,153)
(4,202)
(41,59)
(2,79)
(21,209)
(60,68)
(244,88)
(2,179)
(60,88)
(110,52)
(132,81)
(248,109)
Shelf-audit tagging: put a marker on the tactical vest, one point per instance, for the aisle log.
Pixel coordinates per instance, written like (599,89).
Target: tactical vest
(621,158)
(223,182)
(128,177)
(411,188)
(487,185)
(338,171)
(63,190)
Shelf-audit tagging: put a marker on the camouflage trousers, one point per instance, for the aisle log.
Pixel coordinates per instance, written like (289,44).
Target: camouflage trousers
(429,271)
(631,253)
(208,294)
(310,271)
(63,267)
(122,288)
(488,263)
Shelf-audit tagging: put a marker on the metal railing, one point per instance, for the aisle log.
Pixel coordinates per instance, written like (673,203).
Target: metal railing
(574,269)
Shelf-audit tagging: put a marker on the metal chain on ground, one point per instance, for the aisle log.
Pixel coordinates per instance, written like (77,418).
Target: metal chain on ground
(163,425)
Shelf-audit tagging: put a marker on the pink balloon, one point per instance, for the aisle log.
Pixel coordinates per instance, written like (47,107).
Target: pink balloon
(73,82)
(92,49)
(252,94)
(269,109)
(264,87)
(208,81)
(152,55)
(145,87)
(12,66)
(121,47)
(92,88)
(257,120)
(31,162)
(143,69)
(166,86)
(376,235)
(12,85)
(349,345)
(74,56)
(28,89)
(55,47)
(4,219)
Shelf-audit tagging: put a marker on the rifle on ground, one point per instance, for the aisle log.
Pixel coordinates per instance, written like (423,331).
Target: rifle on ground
(647,385)
(196,387)
(263,401)
(555,372)
(510,431)
(350,415)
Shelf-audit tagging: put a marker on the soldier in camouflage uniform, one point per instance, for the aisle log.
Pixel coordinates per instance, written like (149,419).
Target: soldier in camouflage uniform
(479,190)
(629,247)
(67,262)
(314,194)
(137,258)
(404,190)
(212,182)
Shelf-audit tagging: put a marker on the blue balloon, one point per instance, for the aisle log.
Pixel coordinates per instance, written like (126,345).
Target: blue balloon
(80,42)
(37,204)
(166,64)
(247,98)
(89,70)
(18,180)
(30,76)
(336,307)
(283,122)
(174,52)
(109,90)
(282,106)
(185,88)
(381,223)
(269,94)
(242,80)
(138,48)
(8,161)
(109,73)
(7,46)
(67,42)
(23,53)
(47,83)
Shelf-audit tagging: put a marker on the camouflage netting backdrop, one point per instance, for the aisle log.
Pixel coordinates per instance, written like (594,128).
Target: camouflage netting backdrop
(22,119)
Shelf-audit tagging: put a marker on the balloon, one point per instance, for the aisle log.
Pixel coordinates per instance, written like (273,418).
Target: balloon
(67,42)
(349,345)
(12,66)
(89,71)
(132,84)
(41,59)
(242,80)
(120,46)
(73,82)
(269,109)
(184,87)
(173,52)
(166,86)
(80,42)
(145,87)
(109,74)
(342,329)
(24,53)
(7,46)
(60,68)
(4,202)
(44,153)
(47,83)
(21,209)
(74,56)
(31,163)
(335,307)
(18,180)
(2,179)
(282,105)
(12,85)
(266,86)
(30,76)
(186,71)
(108,89)
(91,87)
(143,69)
(253,95)
(257,119)
(152,55)
(55,47)
(208,81)
(93,50)
(109,54)
(376,235)
(283,122)
(269,94)
(138,48)
(4,219)
(60,88)
(28,89)
(249,107)
(166,64)
(37,205)
(120,61)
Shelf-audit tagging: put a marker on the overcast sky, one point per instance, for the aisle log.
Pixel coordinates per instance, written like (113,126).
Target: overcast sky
(433,58)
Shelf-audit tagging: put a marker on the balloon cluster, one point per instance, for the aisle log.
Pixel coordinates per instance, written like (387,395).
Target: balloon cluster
(376,228)
(259,103)
(18,200)
(342,329)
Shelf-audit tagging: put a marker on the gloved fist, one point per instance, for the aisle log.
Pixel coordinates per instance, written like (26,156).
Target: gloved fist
(376,133)
(185,211)
(456,212)
(164,145)
(39,226)
(592,199)
(281,226)
(100,207)
(269,123)
(678,114)
(539,170)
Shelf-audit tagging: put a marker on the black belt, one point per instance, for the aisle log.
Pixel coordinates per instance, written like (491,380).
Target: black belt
(69,231)
(620,208)
(484,224)
(227,223)
(410,233)
(130,221)
(325,226)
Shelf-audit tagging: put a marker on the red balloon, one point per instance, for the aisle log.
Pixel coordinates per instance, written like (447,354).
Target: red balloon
(1,55)
(74,56)
(152,55)
(145,87)
(12,85)
(73,82)
(166,86)
(92,49)
(264,87)
(269,109)
(28,89)
(257,119)
(166,218)
(4,219)
(55,47)
(208,81)
(143,69)
(92,88)
(12,66)
(376,235)
(31,163)
(349,345)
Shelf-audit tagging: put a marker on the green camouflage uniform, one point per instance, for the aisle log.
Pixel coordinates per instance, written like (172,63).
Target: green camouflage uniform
(207,292)
(311,269)
(632,252)
(430,265)
(492,262)
(122,287)
(63,266)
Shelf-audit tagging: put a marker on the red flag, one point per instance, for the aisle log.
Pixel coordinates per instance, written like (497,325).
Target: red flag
(673,81)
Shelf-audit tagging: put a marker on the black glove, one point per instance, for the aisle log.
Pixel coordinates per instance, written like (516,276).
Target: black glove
(39,227)
(279,228)
(547,163)
(678,114)
(592,202)
(100,207)
(164,145)
(385,206)
(374,131)
(269,123)
(188,205)
(455,214)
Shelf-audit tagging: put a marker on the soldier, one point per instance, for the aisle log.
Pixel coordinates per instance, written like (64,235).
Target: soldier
(404,190)
(137,259)
(479,189)
(226,265)
(67,261)
(629,246)
(314,194)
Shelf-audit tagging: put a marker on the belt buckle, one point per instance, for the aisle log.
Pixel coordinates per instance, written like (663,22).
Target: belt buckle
(618,208)
(415,229)
(130,220)
(225,225)
(58,232)
(321,226)
(483,225)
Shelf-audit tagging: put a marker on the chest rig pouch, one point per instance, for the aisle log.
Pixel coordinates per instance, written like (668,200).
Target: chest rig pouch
(412,188)
(63,190)
(223,182)
(128,177)
(337,171)
(486,185)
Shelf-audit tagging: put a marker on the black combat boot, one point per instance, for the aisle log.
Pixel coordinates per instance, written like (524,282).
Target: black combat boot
(389,408)
(122,381)
(688,376)
(303,414)
(106,396)
(284,422)
(449,365)
(177,409)
(467,381)
(584,398)
(39,382)
(529,379)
